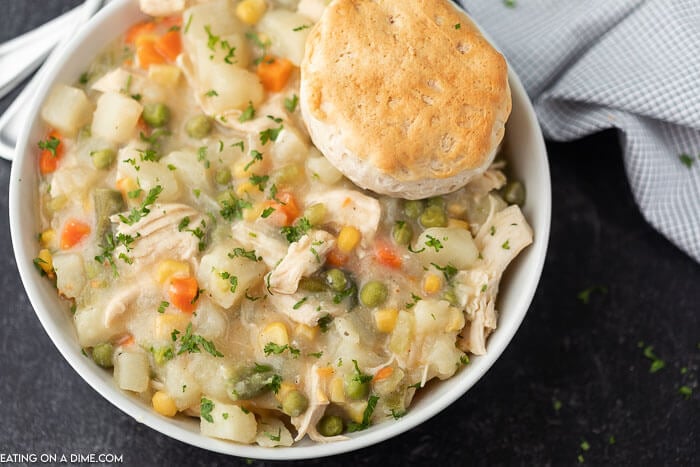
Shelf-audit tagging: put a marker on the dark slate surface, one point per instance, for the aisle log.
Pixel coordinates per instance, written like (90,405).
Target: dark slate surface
(583,356)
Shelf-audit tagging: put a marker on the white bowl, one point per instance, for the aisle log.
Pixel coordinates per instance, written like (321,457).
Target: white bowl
(530,165)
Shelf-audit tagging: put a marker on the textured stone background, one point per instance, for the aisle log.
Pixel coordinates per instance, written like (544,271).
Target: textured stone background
(584,356)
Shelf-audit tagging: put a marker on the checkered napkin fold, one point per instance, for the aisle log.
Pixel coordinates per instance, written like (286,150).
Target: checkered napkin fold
(589,65)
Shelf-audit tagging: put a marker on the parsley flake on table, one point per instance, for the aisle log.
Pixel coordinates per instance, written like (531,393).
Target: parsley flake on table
(685,391)
(656,363)
(584,296)
(687,160)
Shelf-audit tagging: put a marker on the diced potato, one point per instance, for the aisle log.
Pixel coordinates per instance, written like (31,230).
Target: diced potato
(337,390)
(235,87)
(70,273)
(216,15)
(166,323)
(188,170)
(289,147)
(453,246)
(229,421)
(115,117)
(402,334)
(319,168)
(455,321)
(431,316)
(131,371)
(307,332)
(67,109)
(356,410)
(443,357)
(149,174)
(164,75)
(91,328)
(227,279)
(181,385)
(170,268)
(286,32)
(272,432)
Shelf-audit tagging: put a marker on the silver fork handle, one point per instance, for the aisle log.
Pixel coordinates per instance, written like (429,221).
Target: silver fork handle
(16,114)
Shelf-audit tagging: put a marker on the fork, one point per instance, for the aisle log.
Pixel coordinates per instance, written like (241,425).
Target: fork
(20,56)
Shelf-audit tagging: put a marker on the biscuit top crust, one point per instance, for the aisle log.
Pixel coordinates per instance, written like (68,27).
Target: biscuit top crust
(411,86)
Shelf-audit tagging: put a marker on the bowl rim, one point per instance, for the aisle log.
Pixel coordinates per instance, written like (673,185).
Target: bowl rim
(177,429)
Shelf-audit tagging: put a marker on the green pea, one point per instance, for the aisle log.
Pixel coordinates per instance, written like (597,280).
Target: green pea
(413,208)
(336,279)
(373,293)
(223,176)
(514,193)
(287,175)
(156,115)
(433,216)
(315,213)
(312,284)
(356,389)
(102,354)
(438,201)
(295,403)
(198,126)
(103,158)
(330,425)
(402,233)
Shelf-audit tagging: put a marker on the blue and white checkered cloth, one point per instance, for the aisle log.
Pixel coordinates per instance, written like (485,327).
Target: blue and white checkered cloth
(628,64)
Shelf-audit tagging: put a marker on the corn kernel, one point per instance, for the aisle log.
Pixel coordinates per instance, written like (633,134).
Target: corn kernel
(166,76)
(385,319)
(125,185)
(45,261)
(246,188)
(325,371)
(250,11)
(166,323)
(337,390)
(455,321)
(239,170)
(356,410)
(285,388)
(457,223)
(306,332)
(250,214)
(164,404)
(276,333)
(432,283)
(456,209)
(47,237)
(171,268)
(348,238)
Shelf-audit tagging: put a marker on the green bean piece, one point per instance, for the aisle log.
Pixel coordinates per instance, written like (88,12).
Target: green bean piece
(248,383)
(295,403)
(433,216)
(402,233)
(103,158)
(315,213)
(373,293)
(312,284)
(102,354)
(107,202)
(450,296)
(223,176)
(514,193)
(156,115)
(330,425)
(336,280)
(356,389)
(413,208)
(198,126)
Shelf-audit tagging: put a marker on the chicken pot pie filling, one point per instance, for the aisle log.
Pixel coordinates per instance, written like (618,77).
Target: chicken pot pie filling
(223,267)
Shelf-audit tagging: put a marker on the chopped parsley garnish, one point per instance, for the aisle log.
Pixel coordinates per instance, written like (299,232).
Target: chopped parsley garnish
(189,22)
(509,3)
(492,230)
(585,446)
(184,223)
(148,154)
(291,104)
(324,322)
(556,405)
(484,288)
(458,26)
(232,208)
(366,416)
(448,271)
(255,156)
(240,145)
(298,304)
(247,114)
(205,408)
(272,348)
(110,244)
(162,354)
(259,180)
(273,437)
(202,156)
(584,296)
(271,134)
(143,210)
(163,305)
(262,45)
(464,359)
(241,253)
(359,376)
(301,28)
(685,391)
(398,413)
(687,160)
(410,248)
(50,145)
(224,415)
(134,193)
(37,263)
(506,245)
(190,343)
(349,292)
(656,363)
(294,232)
(266,212)
(233,280)
(211,93)
(250,297)
(84,78)
(415,299)
(315,354)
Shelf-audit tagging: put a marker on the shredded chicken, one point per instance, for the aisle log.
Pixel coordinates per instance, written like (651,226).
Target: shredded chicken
(302,308)
(120,302)
(488,181)
(500,239)
(262,239)
(349,207)
(318,401)
(303,258)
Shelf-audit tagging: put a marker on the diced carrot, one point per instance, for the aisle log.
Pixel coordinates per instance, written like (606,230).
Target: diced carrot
(126,339)
(146,52)
(336,258)
(325,371)
(383,373)
(288,207)
(274,72)
(183,293)
(138,30)
(48,159)
(73,232)
(387,256)
(169,45)
(170,21)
